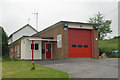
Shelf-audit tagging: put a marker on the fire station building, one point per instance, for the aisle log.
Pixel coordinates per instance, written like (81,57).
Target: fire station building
(59,41)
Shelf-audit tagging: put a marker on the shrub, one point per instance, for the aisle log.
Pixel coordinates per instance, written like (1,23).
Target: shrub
(113,55)
(5,57)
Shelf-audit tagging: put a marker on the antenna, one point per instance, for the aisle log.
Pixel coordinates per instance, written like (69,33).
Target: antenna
(36,14)
(28,20)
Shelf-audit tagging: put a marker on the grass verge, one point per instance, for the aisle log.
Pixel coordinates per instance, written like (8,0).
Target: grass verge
(21,69)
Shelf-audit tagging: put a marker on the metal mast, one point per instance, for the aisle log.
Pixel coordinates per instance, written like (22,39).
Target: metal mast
(28,20)
(36,14)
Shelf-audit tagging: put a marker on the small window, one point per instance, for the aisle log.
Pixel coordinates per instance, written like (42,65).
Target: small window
(31,46)
(80,46)
(11,49)
(36,46)
(18,53)
(85,46)
(74,46)
(15,48)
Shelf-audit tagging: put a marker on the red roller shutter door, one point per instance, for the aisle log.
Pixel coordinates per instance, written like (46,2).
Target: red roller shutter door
(80,43)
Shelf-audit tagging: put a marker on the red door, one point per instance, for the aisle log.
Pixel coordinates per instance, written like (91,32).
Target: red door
(48,51)
(80,43)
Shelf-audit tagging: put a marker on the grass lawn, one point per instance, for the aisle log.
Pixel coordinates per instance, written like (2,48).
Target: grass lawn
(21,69)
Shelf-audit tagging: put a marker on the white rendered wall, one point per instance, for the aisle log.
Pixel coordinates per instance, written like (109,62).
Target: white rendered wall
(26,31)
(80,26)
(26,52)
(10,41)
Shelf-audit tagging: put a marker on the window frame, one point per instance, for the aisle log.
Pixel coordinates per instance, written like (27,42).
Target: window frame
(37,46)
(34,46)
(31,46)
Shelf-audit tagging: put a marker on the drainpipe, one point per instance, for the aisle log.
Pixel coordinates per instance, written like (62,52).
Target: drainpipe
(32,50)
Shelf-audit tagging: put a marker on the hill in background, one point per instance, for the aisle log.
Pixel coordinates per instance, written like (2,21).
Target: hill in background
(107,46)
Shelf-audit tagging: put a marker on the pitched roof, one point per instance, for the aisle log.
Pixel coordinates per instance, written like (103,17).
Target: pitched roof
(22,28)
(49,37)
(64,22)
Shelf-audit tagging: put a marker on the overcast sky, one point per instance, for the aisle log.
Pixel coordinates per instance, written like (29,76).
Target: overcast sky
(14,14)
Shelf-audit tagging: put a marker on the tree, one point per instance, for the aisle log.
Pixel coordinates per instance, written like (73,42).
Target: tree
(104,27)
(0,35)
(3,41)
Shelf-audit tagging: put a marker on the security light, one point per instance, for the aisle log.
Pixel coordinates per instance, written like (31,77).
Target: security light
(96,28)
(65,26)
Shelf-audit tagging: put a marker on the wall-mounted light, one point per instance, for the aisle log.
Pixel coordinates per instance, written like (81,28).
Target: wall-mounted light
(96,39)
(65,26)
(96,28)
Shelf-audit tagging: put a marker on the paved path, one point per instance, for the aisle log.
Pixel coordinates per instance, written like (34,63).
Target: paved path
(85,68)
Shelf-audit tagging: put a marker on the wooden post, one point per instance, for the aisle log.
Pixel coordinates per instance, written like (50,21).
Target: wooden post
(32,50)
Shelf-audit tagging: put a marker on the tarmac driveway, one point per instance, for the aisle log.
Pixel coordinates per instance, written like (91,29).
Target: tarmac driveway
(85,68)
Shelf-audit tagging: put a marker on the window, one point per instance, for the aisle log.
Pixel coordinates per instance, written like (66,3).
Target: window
(85,46)
(11,49)
(18,54)
(80,46)
(15,48)
(35,46)
(74,46)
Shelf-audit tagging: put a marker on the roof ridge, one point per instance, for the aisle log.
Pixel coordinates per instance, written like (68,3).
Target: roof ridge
(64,22)
(22,28)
